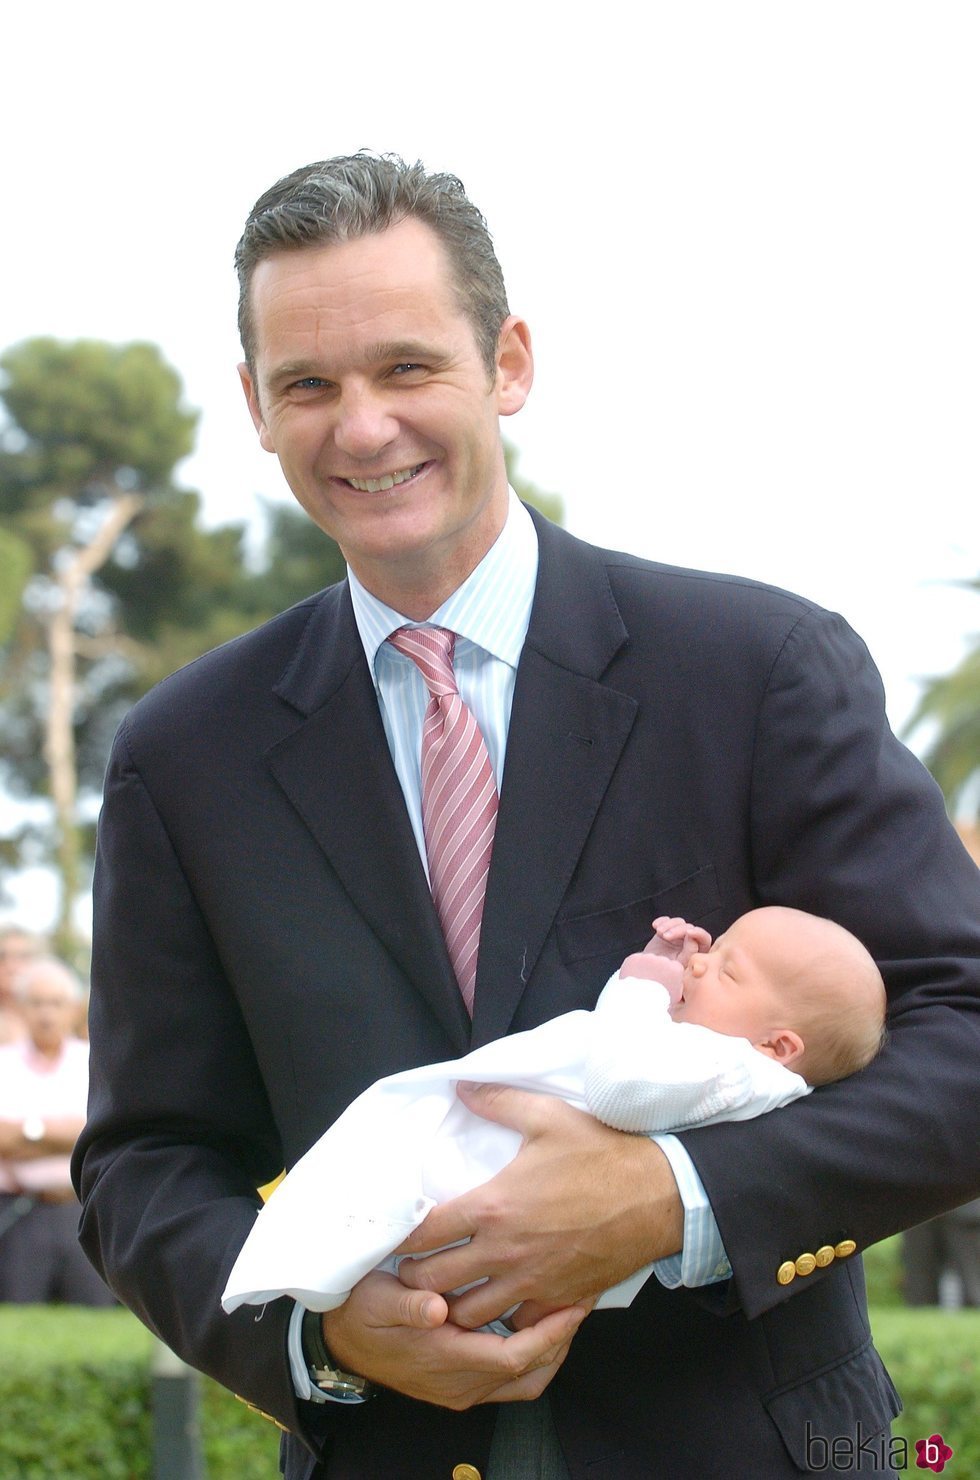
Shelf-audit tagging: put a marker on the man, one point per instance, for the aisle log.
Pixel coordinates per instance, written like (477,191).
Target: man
(43,1088)
(273,932)
(17,948)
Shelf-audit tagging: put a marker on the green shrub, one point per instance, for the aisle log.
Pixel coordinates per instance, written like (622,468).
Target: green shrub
(75,1399)
(75,1395)
(934,1359)
(883,1272)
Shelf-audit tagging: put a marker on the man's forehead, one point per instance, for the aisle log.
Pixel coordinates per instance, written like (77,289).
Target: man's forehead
(409,251)
(388,306)
(18,945)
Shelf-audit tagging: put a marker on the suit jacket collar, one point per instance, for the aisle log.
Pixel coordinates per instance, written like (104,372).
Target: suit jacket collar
(566,735)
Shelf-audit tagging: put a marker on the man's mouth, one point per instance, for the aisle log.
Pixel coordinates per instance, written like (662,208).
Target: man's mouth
(386,481)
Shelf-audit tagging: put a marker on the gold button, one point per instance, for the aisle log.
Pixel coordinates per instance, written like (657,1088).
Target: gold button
(786,1273)
(806,1264)
(844,1248)
(824,1256)
(466,1472)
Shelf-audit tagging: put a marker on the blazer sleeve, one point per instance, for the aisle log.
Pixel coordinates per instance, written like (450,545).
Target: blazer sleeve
(180,1132)
(846,823)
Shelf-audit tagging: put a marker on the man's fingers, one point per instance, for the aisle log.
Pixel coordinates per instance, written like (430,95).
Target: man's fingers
(388,1302)
(423,1310)
(545,1342)
(487,1302)
(518,1108)
(441,1271)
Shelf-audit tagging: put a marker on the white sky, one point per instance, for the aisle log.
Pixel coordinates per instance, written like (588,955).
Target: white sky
(745,237)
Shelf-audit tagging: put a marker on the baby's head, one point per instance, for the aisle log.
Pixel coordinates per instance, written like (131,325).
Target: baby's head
(801,989)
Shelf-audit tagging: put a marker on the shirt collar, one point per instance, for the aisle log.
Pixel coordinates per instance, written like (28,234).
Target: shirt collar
(491,608)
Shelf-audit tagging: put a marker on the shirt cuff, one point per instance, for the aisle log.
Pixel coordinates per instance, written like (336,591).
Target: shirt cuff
(702,1260)
(297,1360)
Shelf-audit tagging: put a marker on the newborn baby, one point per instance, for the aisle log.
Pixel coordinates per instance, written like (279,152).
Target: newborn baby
(686,1034)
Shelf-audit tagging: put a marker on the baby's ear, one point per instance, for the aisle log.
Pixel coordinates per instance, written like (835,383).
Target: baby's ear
(783,1045)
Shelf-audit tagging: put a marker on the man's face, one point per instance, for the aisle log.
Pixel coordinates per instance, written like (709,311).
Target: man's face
(370,388)
(732,988)
(49,1011)
(16,952)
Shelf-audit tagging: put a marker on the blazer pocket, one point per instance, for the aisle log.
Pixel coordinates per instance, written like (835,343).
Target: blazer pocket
(627,927)
(852,1402)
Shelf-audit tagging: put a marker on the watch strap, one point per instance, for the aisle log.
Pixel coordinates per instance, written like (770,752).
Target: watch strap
(331,1380)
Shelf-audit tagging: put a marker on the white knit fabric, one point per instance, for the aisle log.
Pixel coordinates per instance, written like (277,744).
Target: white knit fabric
(644,1072)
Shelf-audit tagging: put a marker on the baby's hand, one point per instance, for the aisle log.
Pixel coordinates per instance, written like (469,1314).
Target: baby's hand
(666,953)
(676,939)
(645,966)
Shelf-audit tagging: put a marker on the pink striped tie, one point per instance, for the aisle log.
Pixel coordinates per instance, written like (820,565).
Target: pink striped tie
(459,800)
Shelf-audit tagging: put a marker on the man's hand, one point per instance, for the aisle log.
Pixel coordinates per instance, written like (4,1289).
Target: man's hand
(59,1138)
(404,1340)
(579,1209)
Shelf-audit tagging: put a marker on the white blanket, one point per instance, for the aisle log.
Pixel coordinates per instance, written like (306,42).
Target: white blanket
(408,1143)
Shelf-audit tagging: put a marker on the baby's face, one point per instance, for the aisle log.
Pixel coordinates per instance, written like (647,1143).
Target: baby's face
(730,988)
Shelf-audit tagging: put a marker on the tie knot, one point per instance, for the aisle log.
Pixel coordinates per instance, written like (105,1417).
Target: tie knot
(431,650)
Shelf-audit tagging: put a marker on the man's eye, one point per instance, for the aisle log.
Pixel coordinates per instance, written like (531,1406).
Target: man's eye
(308,383)
(403,369)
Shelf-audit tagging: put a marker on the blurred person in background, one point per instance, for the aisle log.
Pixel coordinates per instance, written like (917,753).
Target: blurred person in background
(43,1090)
(946,1248)
(18,947)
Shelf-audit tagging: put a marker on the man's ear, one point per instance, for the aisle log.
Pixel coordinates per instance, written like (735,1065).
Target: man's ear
(783,1045)
(515,366)
(254,409)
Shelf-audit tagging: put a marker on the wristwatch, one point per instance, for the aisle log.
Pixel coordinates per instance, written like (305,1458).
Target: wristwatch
(331,1380)
(33,1128)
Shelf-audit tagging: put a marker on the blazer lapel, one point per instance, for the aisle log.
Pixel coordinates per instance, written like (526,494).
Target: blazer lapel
(362,826)
(567,733)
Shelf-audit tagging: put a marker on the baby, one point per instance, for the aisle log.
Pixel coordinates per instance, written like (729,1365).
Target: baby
(798,990)
(686,1034)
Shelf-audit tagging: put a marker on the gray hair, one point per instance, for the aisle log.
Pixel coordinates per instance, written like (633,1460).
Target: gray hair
(339,200)
(49,968)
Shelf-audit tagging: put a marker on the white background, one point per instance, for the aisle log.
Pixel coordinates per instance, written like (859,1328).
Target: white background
(746,237)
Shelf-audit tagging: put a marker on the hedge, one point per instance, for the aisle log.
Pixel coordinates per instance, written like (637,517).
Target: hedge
(75,1395)
(75,1402)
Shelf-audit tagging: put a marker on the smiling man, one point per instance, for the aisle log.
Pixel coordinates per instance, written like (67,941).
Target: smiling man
(368,382)
(440,803)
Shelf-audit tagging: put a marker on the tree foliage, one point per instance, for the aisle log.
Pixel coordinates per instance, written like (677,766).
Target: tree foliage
(92,435)
(951,704)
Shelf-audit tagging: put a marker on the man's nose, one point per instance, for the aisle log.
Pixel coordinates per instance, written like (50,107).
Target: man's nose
(364,425)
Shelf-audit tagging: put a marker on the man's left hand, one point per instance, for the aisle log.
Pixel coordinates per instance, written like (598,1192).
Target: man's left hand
(579,1209)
